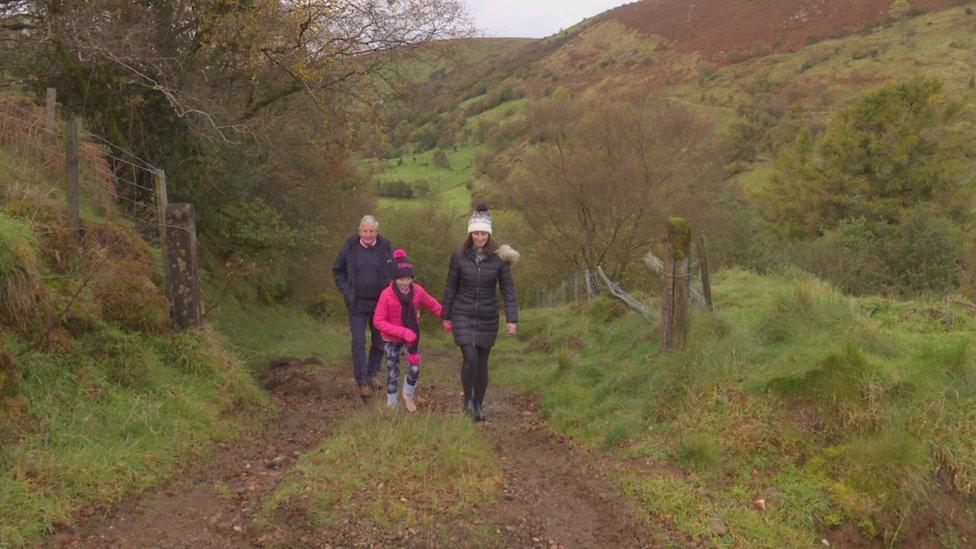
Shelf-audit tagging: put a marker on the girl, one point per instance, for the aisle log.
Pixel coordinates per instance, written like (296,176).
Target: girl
(397,317)
(471,308)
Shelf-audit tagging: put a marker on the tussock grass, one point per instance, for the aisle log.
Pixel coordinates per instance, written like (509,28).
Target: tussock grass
(116,413)
(393,472)
(838,411)
(19,272)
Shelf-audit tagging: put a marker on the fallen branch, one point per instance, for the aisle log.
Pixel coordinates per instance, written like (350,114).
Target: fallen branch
(630,301)
(961,301)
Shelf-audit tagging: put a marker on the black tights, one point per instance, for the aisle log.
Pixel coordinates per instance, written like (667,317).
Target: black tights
(474,372)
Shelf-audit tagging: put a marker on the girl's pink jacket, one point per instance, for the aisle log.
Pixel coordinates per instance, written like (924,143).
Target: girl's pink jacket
(387,317)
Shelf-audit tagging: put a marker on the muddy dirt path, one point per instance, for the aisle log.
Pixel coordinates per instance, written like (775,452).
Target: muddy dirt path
(214,505)
(555,494)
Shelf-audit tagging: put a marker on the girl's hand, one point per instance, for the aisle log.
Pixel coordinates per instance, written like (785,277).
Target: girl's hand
(409,335)
(448,326)
(512,328)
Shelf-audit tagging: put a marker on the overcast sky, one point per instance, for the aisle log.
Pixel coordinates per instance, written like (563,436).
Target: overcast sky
(533,18)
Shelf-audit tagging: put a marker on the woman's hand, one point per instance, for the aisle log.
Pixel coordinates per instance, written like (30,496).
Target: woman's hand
(448,326)
(512,328)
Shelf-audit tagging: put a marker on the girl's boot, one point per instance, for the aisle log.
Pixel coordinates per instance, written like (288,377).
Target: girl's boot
(392,399)
(409,396)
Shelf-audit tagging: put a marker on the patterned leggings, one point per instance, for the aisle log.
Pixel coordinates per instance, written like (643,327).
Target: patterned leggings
(393,351)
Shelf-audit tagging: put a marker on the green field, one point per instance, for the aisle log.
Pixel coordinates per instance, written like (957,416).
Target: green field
(510,110)
(447,185)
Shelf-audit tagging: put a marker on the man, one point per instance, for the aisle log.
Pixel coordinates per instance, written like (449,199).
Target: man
(361,272)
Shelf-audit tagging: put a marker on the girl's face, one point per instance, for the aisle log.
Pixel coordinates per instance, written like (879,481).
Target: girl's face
(404,283)
(480,238)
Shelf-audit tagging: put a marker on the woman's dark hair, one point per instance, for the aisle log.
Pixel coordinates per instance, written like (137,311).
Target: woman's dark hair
(490,246)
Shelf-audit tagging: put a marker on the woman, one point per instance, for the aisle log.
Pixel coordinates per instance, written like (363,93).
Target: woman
(471,307)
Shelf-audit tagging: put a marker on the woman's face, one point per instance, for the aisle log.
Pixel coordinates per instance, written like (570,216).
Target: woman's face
(480,238)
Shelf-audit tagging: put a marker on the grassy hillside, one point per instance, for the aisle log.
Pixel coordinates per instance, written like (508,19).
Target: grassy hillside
(725,30)
(98,398)
(756,103)
(795,414)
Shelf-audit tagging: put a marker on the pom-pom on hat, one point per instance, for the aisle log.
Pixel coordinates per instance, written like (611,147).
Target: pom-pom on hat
(480,219)
(402,266)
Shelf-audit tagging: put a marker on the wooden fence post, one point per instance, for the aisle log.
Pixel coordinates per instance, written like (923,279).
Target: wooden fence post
(182,269)
(72,166)
(676,272)
(51,109)
(703,266)
(159,183)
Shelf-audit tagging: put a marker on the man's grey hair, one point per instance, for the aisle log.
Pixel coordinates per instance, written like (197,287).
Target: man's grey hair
(369,220)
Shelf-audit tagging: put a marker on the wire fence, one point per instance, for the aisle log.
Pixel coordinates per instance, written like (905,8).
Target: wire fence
(593,283)
(96,182)
(582,286)
(112,182)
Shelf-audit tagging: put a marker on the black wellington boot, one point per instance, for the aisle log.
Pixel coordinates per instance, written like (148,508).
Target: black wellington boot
(479,413)
(469,408)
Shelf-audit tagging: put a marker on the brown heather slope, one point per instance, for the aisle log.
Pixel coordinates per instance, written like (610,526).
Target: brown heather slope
(718,29)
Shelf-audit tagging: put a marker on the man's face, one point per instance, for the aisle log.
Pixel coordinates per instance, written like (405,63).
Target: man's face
(368,233)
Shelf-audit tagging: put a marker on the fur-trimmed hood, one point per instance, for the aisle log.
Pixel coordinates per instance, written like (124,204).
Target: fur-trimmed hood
(508,254)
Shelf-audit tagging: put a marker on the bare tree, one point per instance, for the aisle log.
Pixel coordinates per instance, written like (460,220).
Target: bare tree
(596,188)
(218,64)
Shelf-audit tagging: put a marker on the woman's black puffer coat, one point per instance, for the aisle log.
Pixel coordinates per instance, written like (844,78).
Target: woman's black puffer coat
(470,301)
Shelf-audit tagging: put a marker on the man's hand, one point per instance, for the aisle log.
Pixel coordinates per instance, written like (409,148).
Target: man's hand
(512,328)
(448,326)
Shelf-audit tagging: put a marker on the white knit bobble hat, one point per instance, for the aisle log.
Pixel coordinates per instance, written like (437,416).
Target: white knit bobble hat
(480,219)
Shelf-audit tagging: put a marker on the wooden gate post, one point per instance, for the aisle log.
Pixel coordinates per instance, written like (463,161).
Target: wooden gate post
(182,268)
(72,166)
(676,273)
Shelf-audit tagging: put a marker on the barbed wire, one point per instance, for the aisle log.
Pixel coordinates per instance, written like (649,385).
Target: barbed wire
(108,174)
(102,171)
(143,163)
(39,121)
(54,152)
